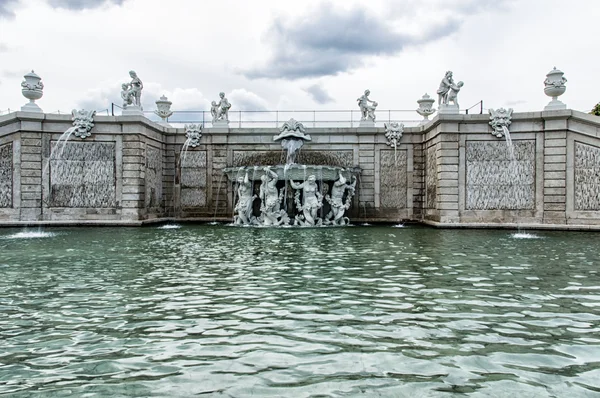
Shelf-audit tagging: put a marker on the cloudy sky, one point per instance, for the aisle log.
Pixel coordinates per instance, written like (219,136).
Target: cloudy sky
(299,55)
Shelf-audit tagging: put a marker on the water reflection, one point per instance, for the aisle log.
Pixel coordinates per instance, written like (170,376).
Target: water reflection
(299,312)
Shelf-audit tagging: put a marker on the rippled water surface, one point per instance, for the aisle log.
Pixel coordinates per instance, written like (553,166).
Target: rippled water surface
(324,312)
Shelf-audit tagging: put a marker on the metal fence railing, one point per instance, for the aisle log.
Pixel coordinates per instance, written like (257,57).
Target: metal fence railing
(263,119)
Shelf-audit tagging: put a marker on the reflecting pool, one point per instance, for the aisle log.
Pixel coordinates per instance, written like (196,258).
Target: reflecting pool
(318,312)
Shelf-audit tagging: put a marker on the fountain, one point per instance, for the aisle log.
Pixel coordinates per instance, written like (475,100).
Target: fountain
(322,196)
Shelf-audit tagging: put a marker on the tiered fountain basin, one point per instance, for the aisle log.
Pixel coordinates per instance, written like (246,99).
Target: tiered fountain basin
(296,172)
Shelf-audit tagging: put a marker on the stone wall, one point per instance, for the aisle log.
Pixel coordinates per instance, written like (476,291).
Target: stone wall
(6,175)
(450,172)
(82,174)
(498,178)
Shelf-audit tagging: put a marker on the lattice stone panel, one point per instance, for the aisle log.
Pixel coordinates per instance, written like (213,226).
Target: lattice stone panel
(193,179)
(154,174)
(6,175)
(431,177)
(83,175)
(393,179)
(497,181)
(587,177)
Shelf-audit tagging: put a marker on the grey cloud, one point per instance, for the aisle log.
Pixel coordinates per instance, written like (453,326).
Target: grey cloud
(6,9)
(81,4)
(244,100)
(332,41)
(318,94)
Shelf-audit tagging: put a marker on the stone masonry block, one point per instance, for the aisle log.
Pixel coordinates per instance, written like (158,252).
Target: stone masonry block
(555,151)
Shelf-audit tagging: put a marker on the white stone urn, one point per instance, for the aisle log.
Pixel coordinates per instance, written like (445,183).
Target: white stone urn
(32,89)
(426,108)
(554,86)
(163,109)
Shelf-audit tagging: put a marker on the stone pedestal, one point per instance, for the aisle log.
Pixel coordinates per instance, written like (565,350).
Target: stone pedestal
(366,124)
(133,110)
(555,105)
(31,107)
(220,126)
(448,109)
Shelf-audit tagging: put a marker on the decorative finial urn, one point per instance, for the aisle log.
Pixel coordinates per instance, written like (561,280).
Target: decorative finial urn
(554,86)
(32,89)
(426,108)
(163,109)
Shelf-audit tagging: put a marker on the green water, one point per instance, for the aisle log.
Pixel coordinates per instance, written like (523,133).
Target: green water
(324,312)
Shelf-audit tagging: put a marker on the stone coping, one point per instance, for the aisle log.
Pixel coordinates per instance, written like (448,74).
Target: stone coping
(437,119)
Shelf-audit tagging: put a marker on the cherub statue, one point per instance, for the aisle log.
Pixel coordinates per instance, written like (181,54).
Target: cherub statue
(214,111)
(453,93)
(126,95)
(367,112)
(223,108)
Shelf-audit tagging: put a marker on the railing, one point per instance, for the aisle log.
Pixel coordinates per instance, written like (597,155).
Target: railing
(480,103)
(262,119)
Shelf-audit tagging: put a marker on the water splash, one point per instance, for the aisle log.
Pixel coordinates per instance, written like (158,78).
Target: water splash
(524,235)
(30,235)
(399,226)
(170,226)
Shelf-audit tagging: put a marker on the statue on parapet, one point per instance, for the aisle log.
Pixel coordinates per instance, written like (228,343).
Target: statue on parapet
(220,110)
(367,111)
(336,200)
(243,208)
(452,96)
(131,92)
(311,202)
(126,95)
(444,89)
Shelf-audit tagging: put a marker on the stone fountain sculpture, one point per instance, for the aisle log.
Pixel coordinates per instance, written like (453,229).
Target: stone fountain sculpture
(336,200)
(554,86)
(131,93)
(311,202)
(393,133)
(448,94)
(271,213)
(275,210)
(292,136)
(32,89)
(83,122)
(500,119)
(243,207)
(367,110)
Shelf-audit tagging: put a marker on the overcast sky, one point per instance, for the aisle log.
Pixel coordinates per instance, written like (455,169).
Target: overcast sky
(301,54)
